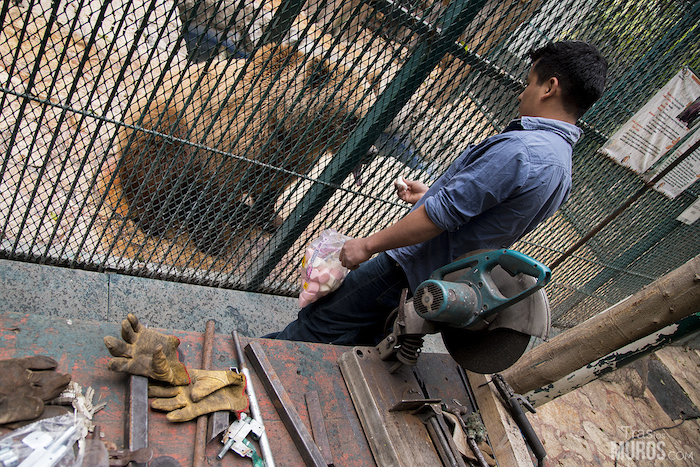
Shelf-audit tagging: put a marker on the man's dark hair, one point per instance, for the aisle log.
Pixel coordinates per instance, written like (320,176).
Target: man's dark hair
(580,69)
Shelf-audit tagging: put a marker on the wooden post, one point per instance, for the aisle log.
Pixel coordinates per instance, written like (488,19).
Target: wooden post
(616,359)
(662,303)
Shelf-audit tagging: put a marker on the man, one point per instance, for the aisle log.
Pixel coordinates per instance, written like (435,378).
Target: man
(492,195)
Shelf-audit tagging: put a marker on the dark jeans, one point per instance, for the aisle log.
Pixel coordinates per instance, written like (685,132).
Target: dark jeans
(354,314)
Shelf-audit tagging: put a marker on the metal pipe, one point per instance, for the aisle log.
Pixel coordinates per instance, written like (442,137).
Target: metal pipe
(253,401)
(200,435)
(285,407)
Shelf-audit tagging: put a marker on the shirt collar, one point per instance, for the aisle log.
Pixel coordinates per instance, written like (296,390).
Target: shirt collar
(569,132)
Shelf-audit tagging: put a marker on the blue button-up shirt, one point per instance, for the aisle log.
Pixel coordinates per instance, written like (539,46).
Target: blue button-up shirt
(494,193)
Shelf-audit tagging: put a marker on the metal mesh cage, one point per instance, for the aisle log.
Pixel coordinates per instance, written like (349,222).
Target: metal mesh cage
(209,141)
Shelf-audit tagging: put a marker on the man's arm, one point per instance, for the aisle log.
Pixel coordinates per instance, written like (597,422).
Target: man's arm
(416,227)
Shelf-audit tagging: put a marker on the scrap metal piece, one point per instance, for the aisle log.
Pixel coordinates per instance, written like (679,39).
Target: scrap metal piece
(412,404)
(122,457)
(396,437)
(137,416)
(431,415)
(514,402)
(477,452)
(318,426)
(164,461)
(217,424)
(300,435)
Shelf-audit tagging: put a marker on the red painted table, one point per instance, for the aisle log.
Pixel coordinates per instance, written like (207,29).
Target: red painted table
(301,367)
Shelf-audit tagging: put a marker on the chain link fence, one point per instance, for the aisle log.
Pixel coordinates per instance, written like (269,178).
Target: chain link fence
(209,141)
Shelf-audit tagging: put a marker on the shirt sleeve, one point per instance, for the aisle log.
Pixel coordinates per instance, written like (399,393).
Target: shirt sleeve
(479,182)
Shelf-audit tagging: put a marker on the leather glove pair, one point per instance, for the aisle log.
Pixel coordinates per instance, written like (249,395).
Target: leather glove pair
(210,391)
(25,384)
(186,395)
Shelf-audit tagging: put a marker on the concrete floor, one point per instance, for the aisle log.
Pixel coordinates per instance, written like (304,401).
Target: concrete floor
(581,428)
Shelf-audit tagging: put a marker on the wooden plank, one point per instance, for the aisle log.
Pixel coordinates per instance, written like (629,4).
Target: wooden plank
(504,434)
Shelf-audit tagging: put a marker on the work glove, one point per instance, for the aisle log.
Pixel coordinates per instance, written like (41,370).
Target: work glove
(145,352)
(209,391)
(25,384)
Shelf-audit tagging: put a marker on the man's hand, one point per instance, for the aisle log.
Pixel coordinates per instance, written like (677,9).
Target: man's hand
(412,191)
(416,227)
(354,252)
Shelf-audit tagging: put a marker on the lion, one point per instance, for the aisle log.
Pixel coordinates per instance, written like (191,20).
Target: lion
(215,149)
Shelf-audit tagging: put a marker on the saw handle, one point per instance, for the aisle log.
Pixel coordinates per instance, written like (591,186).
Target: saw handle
(478,272)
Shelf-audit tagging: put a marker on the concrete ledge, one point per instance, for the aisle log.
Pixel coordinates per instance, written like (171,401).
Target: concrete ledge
(75,294)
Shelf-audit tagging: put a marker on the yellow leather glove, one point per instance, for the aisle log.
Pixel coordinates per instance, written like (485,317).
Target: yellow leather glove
(209,391)
(145,352)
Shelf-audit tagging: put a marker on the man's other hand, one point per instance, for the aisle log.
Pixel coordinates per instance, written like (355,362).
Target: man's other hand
(412,191)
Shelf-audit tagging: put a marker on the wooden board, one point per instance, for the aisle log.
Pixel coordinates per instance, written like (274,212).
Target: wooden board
(507,442)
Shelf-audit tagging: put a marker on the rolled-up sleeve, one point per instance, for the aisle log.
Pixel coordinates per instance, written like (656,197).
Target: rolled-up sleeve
(479,182)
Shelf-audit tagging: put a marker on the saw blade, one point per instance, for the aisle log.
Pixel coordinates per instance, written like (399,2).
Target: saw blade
(485,352)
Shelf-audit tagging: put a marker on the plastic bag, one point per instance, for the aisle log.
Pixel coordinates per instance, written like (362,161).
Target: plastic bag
(321,271)
(49,440)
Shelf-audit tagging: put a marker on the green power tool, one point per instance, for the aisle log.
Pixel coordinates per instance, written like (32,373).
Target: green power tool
(487,305)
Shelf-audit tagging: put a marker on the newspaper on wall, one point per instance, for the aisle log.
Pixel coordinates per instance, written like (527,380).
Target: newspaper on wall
(686,173)
(657,127)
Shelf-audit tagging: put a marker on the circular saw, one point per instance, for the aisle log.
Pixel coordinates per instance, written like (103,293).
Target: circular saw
(487,305)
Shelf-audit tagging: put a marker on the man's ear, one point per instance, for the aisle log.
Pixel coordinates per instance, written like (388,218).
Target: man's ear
(551,88)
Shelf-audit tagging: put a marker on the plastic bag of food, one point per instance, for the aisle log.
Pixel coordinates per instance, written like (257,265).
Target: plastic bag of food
(321,271)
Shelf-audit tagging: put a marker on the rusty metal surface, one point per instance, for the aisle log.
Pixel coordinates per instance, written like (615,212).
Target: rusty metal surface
(396,435)
(80,351)
(200,434)
(285,407)
(397,438)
